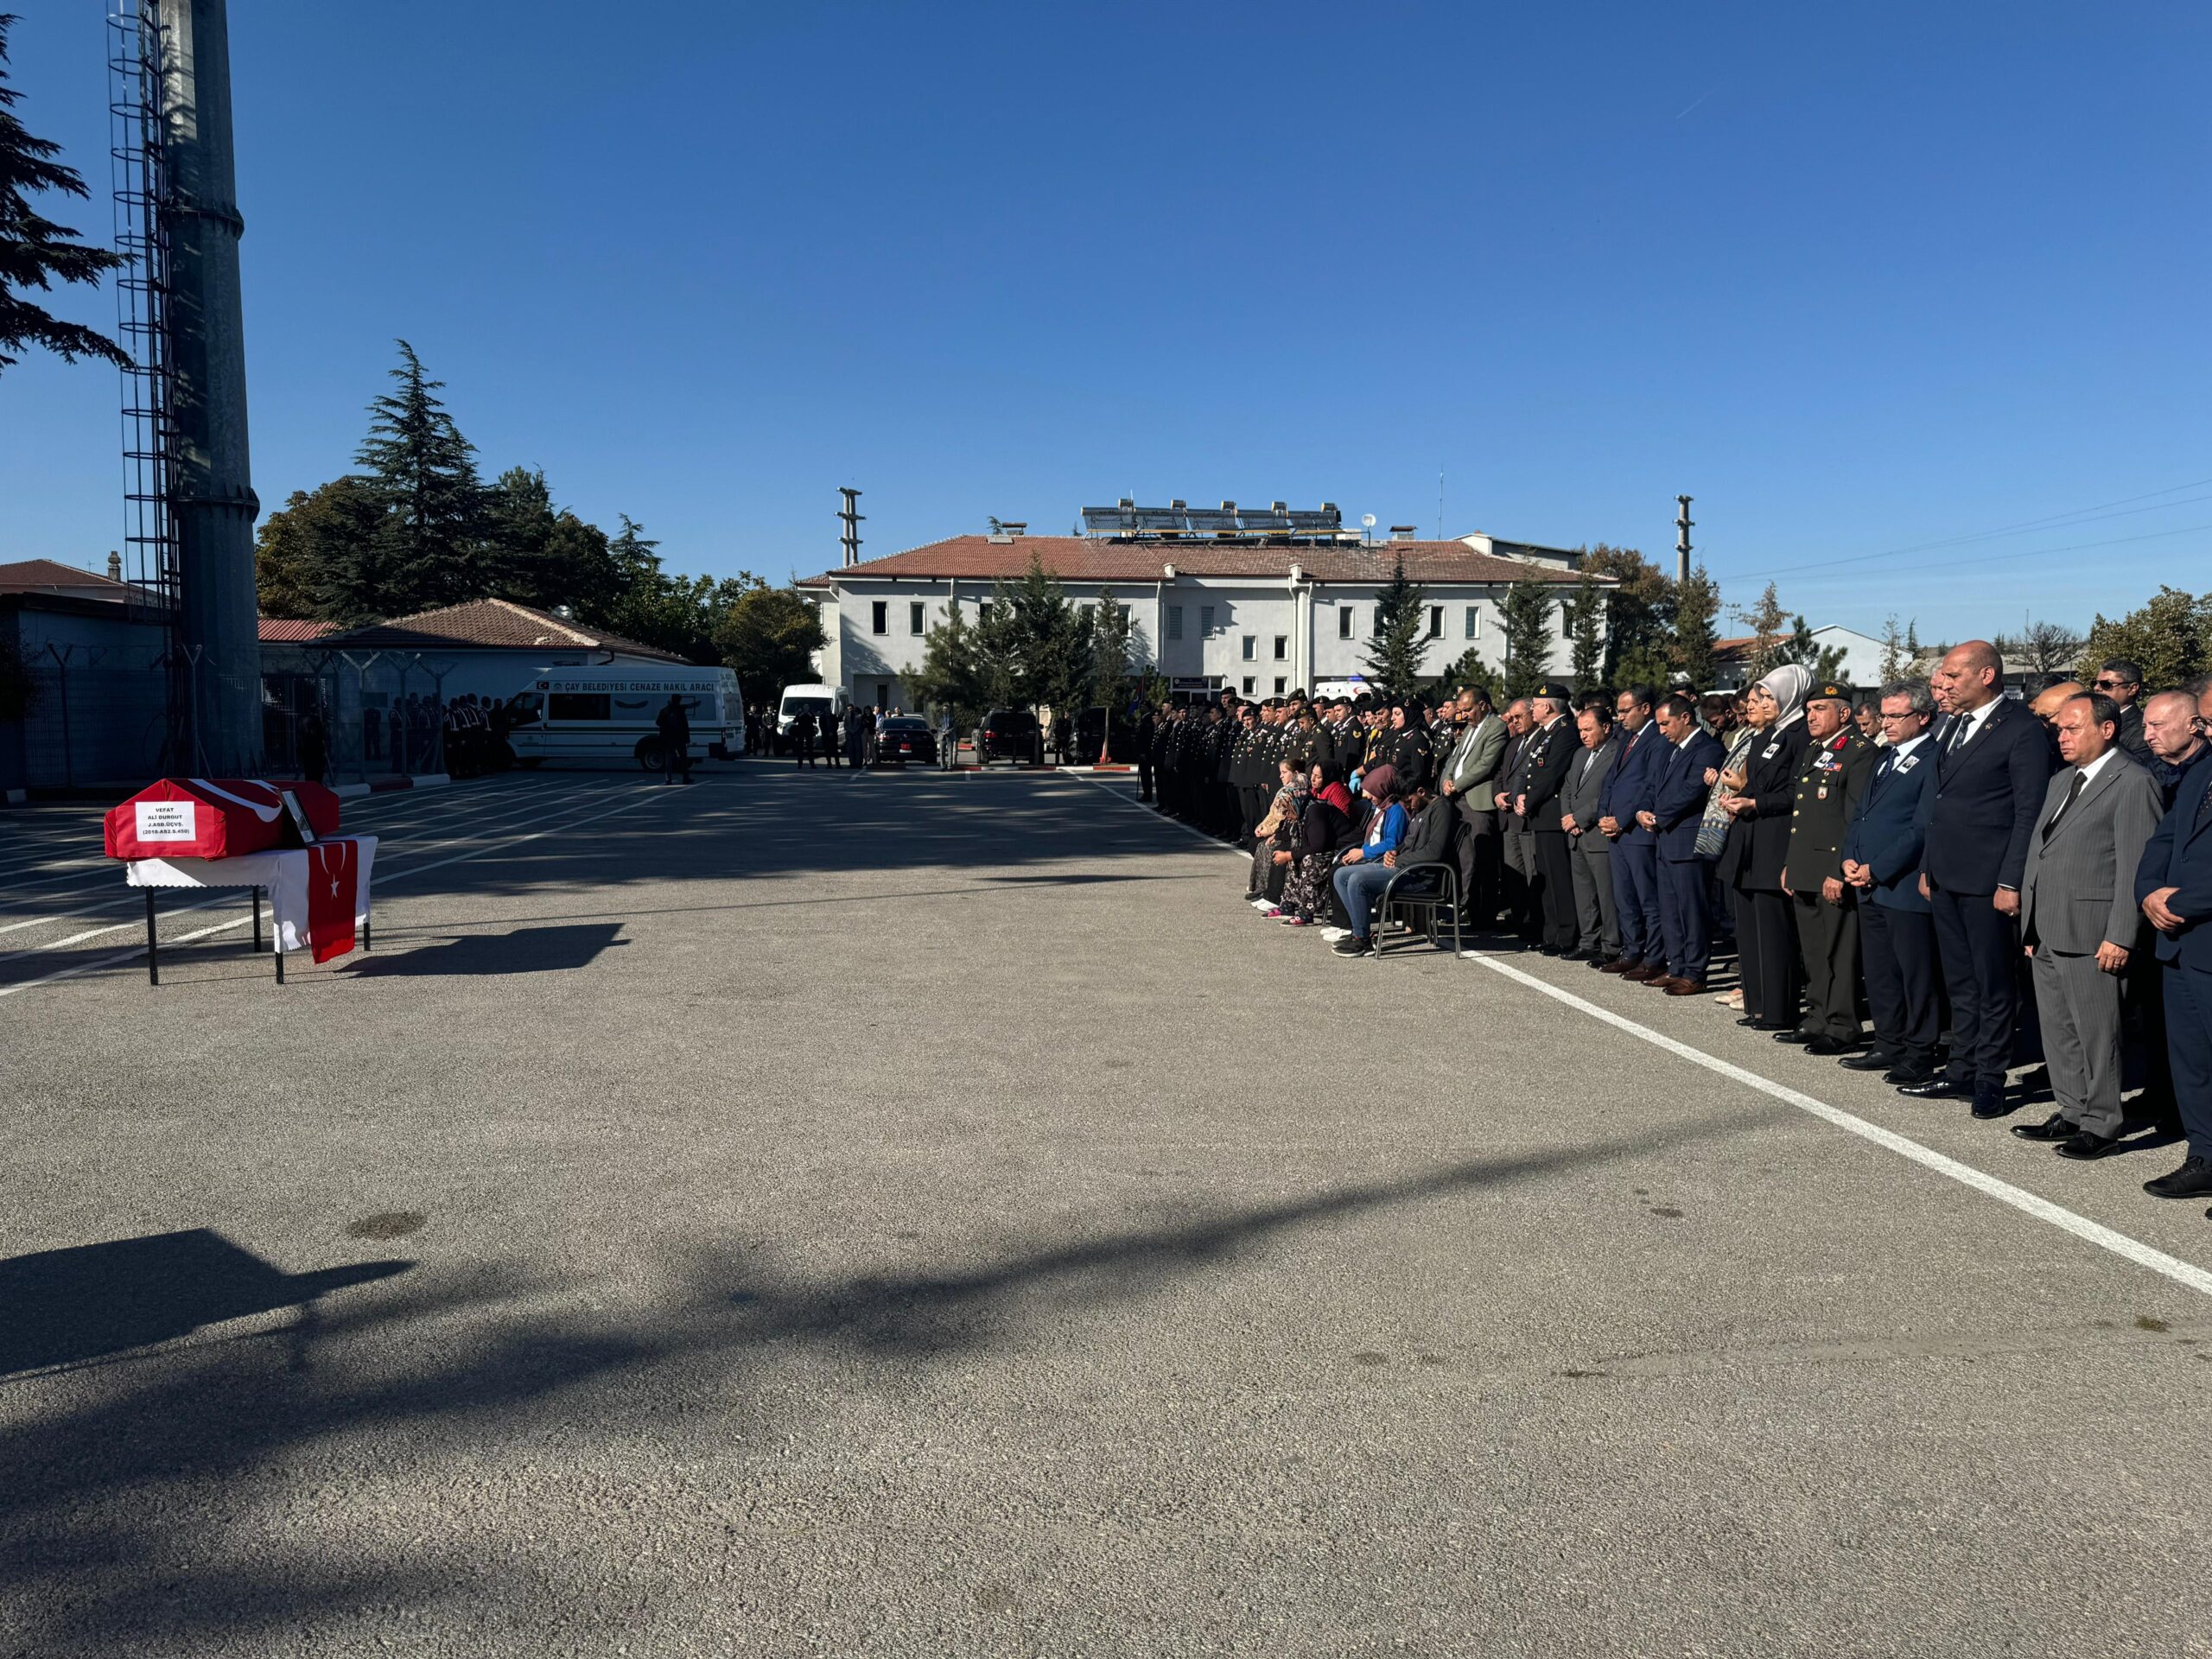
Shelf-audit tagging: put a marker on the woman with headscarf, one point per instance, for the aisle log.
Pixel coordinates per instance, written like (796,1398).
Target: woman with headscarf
(1757,791)
(1326,830)
(1361,872)
(1274,840)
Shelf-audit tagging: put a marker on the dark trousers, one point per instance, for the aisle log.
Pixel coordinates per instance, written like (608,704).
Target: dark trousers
(1253,800)
(1898,950)
(1766,952)
(1144,778)
(1635,900)
(2188,1050)
(1828,939)
(1477,852)
(1517,871)
(1980,949)
(2145,1004)
(1555,890)
(1685,920)
(802,750)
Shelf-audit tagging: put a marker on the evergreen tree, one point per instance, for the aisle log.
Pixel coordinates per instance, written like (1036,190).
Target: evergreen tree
(1472,670)
(1394,656)
(950,674)
(34,251)
(2170,636)
(323,555)
(768,635)
(431,549)
(1900,650)
(1586,629)
(1637,615)
(544,555)
(1696,604)
(1110,640)
(1525,617)
(1044,641)
(1824,662)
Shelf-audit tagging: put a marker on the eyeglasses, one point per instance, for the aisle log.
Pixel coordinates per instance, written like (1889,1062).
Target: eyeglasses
(2106,685)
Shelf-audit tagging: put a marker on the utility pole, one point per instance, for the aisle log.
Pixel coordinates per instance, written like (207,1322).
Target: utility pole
(1682,522)
(850,518)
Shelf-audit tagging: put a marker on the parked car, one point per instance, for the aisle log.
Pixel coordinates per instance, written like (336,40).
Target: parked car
(901,738)
(1009,734)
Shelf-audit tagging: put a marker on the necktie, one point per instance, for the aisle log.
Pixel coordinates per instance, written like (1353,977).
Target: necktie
(2203,809)
(2072,794)
(1959,734)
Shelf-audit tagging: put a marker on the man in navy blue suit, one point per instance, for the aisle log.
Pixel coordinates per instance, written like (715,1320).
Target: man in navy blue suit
(1994,765)
(1636,850)
(1677,807)
(1881,859)
(2173,886)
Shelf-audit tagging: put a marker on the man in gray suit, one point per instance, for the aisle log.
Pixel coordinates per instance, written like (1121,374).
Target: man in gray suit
(1598,934)
(1469,780)
(2078,920)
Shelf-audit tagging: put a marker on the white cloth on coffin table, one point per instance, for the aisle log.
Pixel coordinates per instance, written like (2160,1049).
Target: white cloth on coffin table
(285,873)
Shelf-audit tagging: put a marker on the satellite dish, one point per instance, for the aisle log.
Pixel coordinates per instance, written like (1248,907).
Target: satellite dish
(1368,519)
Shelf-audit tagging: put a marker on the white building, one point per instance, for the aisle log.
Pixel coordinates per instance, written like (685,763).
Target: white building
(1258,615)
(1862,658)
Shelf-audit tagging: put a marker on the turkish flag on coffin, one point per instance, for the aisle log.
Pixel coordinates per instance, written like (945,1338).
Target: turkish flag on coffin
(334,894)
(215,817)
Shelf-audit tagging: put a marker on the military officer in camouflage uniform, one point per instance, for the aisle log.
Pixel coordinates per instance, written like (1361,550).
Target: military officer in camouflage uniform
(1838,764)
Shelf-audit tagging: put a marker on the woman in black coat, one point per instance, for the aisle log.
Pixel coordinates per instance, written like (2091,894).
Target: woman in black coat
(1759,845)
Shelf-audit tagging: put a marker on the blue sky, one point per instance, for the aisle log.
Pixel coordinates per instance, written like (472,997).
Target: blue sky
(1860,279)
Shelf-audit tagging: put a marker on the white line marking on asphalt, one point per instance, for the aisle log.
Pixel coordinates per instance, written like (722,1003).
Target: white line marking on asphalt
(2081,1227)
(113,957)
(2182,1273)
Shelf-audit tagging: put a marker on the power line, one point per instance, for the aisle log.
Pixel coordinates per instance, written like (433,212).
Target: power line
(2037,552)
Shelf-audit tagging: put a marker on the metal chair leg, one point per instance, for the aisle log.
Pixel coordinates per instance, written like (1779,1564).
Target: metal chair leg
(153,943)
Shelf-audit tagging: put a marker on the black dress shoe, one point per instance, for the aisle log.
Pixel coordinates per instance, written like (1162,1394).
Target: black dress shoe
(1752,1022)
(2192,1180)
(1936,1089)
(1907,1076)
(1867,1062)
(1827,1047)
(2086,1146)
(1990,1100)
(2054,1128)
(1794,1035)
(1575,956)
(1549,950)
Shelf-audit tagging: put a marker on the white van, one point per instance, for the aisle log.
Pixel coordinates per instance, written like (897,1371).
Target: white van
(608,715)
(816,699)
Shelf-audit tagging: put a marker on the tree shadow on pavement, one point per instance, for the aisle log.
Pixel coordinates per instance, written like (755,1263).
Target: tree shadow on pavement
(147,1514)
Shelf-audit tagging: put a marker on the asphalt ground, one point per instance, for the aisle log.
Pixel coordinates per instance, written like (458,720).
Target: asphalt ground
(934,1215)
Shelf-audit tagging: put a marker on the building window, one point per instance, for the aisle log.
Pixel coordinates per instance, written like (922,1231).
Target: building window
(1248,685)
(1474,622)
(1205,621)
(1251,648)
(1282,647)
(1344,622)
(1376,627)
(1174,621)
(1436,622)
(1281,684)
(982,608)
(880,617)
(914,616)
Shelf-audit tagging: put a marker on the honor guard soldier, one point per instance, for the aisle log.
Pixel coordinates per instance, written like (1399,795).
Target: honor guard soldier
(1838,763)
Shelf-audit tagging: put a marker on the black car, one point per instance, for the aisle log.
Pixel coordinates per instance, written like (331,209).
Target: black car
(901,738)
(1009,734)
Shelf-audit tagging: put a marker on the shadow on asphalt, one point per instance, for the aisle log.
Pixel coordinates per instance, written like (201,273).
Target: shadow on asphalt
(64,1307)
(523,950)
(152,1504)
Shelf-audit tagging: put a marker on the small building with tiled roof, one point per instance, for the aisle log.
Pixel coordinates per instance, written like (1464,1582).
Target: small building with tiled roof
(1258,615)
(51,576)
(479,625)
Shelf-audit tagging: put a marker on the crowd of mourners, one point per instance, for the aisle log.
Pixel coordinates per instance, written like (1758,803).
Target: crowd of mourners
(1979,896)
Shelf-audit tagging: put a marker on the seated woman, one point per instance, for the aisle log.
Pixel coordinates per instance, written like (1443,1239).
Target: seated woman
(1274,840)
(1326,830)
(1362,873)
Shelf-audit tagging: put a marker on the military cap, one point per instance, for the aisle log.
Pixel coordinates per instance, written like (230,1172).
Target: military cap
(1829,693)
(1551,689)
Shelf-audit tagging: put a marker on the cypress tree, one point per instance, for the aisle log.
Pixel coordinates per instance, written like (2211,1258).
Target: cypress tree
(1525,617)
(1394,659)
(431,549)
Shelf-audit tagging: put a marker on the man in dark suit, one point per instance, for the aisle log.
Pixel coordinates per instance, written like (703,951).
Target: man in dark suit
(2079,922)
(1881,861)
(1598,939)
(2173,886)
(2122,681)
(1635,859)
(1677,808)
(1992,765)
(1518,873)
(1549,758)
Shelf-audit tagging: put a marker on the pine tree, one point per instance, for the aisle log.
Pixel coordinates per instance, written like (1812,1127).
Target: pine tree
(1637,610)
(1770,626)
(1585,626)
(1824,662)
(1472,670)
(1394,656)
(323,555)
(432,549)
(950,675)
(1697,603)
(1525,617)
(34,251)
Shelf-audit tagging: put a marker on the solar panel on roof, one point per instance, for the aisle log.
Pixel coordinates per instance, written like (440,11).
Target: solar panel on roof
(1264,518)
(1310,519)
(1160,517)
(1207,520)
(1108,521)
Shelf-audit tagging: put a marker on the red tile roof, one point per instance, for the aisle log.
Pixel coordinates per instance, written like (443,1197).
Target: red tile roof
(285,631)
(1083,559)
(490,624)
(44,576)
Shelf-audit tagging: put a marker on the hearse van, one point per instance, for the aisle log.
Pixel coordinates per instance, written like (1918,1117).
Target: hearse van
(607,715)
